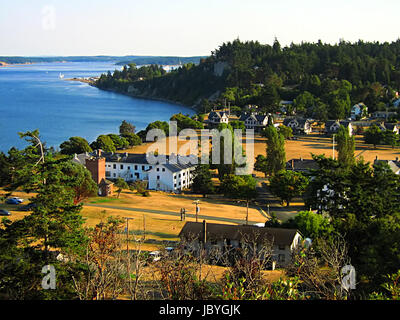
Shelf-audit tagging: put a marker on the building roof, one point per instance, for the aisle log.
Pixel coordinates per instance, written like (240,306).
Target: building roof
(301,121)
(215,231)
(218,114)
(329,123)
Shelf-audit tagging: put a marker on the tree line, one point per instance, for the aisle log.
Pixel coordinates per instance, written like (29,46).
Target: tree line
(323,80)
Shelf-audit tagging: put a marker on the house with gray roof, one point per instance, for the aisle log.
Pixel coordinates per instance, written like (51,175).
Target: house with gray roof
(217,117)
(255,121)
(224,238)
(332,126)
(298,125)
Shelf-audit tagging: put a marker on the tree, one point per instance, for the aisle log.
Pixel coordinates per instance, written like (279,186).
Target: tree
(346,147)
(121,184)
(311,225)
(261,164)
(287,132)
(126,128)
(390,138)
(202,182)
(239,187)
(287,184)
(133,139)
(55,223)
(276,156)
(373,135)
(75,145)
(104,143)
(118,141)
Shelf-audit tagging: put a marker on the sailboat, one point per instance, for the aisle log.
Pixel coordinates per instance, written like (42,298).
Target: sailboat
(61,76)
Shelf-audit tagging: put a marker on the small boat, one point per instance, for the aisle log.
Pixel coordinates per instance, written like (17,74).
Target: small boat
(61,76)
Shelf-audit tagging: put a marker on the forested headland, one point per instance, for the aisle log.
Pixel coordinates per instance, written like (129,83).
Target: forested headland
(323,80)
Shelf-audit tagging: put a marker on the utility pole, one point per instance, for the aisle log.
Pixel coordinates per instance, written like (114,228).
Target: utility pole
(333,147)
(197,202)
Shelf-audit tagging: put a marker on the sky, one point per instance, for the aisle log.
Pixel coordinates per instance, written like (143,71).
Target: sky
(185,27)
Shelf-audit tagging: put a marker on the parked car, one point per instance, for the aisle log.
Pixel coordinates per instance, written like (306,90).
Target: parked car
(155,255)
(4,212)
(28,207)
(12,201)
(18,199)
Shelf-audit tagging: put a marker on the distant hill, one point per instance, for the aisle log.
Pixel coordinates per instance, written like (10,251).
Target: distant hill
(119,60)
(162,60)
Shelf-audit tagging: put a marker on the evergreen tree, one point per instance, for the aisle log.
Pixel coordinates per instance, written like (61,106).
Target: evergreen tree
(202,181)
(276,156)
(346,147)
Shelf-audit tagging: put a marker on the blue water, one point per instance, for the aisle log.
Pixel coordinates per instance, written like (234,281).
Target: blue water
(34,97)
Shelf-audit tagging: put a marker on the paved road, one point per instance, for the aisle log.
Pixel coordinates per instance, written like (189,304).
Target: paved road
(265,198)
(171,213)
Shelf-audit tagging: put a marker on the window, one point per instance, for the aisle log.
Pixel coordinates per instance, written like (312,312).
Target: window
(179,175)
(281,247)
(281,258)
(114,175)
(131,175)
(114,166)
(158,177)
(135,167)
(150,167)
(174,185)
(163,169)
(129,168)
(122,166)
(158,169)
(142,167)
(108,174)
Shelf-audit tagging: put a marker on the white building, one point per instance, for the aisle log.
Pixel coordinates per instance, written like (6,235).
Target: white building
(254,121)
(217,117)
(172,177)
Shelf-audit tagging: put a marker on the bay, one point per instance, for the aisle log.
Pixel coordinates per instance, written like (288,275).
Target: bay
(34,97)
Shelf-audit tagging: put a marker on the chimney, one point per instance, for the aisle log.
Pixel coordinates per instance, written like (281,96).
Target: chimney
(99,152)
(204,232)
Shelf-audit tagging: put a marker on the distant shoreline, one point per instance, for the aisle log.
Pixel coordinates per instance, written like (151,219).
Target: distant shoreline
(92,83)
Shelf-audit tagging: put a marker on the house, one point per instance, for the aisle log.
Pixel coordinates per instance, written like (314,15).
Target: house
(302,165)
(383,115)
(332,126)
(359,111)
(255,121)
(285,106)
(172,176)
(393,164)
(224,238)
(298,125)
(217,117)
(394,127)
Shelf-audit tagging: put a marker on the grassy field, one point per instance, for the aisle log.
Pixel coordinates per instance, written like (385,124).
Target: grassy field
(167,226)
